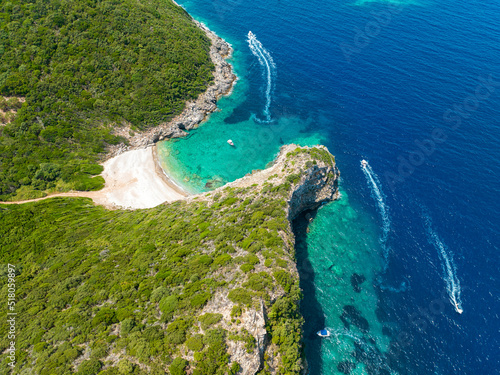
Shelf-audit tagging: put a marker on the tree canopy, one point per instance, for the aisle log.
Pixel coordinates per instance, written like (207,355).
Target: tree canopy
(82,67)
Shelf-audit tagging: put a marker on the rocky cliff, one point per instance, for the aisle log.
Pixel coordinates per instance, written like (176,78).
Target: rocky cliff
(302,178)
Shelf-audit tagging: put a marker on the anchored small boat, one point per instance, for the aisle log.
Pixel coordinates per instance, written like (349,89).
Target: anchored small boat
(230,142)
(323,333)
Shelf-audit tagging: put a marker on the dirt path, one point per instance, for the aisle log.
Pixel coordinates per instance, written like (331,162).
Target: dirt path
(84,194)
(133,180)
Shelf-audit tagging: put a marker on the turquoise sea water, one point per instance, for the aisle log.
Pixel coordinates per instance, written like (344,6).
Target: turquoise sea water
(414,88)
(205,156)
(339,263)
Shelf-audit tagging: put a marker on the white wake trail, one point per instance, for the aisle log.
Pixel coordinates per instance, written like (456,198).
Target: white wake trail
(266,60)
(378,196)
(449,268)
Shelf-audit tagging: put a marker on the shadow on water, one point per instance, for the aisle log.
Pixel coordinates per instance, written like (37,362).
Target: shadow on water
(310,308)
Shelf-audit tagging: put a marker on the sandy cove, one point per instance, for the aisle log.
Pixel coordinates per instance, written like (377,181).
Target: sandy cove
(133,175)
(134,180)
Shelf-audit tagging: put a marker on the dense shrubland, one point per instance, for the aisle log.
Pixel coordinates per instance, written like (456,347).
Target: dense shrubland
(92,282)
(81,67)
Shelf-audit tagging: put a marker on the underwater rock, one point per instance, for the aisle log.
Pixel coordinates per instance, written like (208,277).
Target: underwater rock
(386,331)
(214,183)
(356,281)
(346,367)
(353,316)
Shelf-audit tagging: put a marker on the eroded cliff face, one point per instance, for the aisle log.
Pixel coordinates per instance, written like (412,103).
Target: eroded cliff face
(303,178)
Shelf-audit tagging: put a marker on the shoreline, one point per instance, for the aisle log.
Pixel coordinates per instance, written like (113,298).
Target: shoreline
(167,179)
(194,112)
(134,177)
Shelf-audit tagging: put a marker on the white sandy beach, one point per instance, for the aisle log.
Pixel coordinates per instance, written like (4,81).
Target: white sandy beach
(132,181)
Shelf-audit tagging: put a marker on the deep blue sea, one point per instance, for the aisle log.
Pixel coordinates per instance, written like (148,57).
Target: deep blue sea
(403,270)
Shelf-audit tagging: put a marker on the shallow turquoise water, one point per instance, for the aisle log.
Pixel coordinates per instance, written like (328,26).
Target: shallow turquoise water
(372,80)
(341,245)
(206,156)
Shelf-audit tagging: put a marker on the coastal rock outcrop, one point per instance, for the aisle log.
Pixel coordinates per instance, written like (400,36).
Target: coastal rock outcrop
(195,111)
(311,172)
(305,177)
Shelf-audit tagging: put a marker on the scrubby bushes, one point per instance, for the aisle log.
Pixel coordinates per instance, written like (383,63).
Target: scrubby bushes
(83,67)
(209,319)
(111,279)
(214,359)
(168,305)
(178,366)
(90,367)
(285,326)
(195,343)
(105,316)
(240,296)
(176,331)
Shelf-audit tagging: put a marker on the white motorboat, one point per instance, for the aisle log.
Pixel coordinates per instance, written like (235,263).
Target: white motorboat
(323,333)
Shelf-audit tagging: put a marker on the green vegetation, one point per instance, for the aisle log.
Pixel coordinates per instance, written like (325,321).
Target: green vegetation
(178,366)
(107,279)
(240,296)
(84,67)
(91,283)
(284,326)
(195,343)
(209,320)
(316,153)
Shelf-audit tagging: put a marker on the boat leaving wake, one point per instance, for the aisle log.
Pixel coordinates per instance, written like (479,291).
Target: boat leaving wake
(449,268)
(378,196)
(266,60)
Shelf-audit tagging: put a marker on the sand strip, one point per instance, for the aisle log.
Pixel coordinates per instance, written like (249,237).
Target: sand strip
(133,180)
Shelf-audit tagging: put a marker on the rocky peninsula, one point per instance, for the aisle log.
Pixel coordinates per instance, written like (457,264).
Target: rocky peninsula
(204,285)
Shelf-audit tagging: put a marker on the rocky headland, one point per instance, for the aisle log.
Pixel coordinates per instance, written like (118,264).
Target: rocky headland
(219,287)
(303,178)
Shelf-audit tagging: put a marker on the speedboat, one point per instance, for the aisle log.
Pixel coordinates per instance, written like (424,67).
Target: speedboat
(364,163)
(230,142)
(323,333)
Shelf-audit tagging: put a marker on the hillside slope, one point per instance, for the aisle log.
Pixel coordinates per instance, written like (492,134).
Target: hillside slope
(207,285)
(70,71)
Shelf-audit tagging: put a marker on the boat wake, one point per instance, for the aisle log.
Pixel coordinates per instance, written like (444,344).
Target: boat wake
(266,60)
(364,345)
(449,267)
(337,333)
(379,197)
